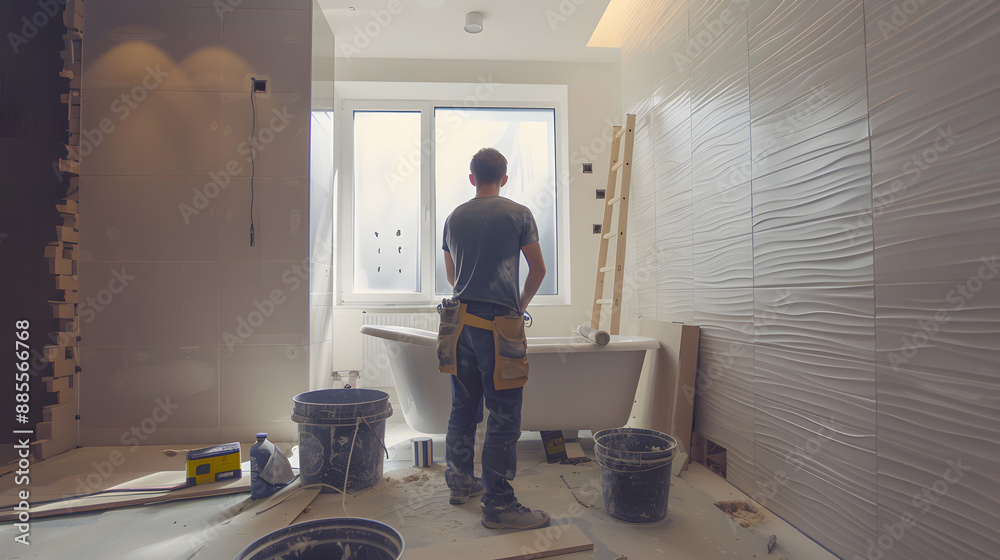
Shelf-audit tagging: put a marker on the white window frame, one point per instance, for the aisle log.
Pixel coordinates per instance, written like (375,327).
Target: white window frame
(424,97)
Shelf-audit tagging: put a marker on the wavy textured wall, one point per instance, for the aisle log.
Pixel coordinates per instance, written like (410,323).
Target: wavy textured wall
(816,186)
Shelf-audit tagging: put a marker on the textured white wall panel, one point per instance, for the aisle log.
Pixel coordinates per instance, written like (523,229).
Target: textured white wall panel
(934,115)
(817,253)
(946,507)
(724,407)
(671,123)
(841,162)
(808,106)
(933,85)
(935,326)
(723,214)
(673,270)
(669,35)
(949,414)
(723,263)
(725,312)
(813,493)
(831,321)
(637,62)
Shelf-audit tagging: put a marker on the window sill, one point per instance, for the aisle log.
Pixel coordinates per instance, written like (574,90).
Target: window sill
(424,307)
(381,306)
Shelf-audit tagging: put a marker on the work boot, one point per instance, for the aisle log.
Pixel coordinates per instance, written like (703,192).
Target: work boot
(514,517)
(462,494)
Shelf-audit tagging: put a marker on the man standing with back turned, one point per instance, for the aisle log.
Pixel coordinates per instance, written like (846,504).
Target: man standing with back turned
(481,341)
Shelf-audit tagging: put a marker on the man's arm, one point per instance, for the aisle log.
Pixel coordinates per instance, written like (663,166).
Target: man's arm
(536,272)
(449,266)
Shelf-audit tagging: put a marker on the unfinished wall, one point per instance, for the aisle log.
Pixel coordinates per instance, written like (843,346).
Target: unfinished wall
(812,186)
(190,335)
(33,131)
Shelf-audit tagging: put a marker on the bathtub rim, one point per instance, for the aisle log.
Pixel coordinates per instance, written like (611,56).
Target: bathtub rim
(536,344)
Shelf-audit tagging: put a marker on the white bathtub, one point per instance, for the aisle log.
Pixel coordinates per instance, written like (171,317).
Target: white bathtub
(573,385)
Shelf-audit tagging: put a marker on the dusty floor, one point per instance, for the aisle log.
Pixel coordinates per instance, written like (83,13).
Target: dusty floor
(412,500)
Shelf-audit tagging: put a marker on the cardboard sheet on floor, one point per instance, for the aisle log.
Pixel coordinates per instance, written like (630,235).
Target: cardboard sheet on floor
(166,479)
(257,520)
(521,545)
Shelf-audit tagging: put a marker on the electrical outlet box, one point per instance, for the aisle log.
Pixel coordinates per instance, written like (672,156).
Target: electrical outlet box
(600,194)
(260,86)
(597,228)
(588,168)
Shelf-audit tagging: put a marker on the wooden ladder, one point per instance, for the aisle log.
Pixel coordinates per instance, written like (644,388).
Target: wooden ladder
(620,166)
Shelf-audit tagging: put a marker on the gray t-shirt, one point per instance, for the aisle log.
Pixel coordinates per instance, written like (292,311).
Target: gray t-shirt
(484,237)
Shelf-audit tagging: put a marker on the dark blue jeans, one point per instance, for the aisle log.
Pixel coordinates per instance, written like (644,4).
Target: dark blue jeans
(469,388)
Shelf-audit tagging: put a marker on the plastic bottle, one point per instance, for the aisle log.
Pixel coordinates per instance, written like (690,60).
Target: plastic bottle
(270,470)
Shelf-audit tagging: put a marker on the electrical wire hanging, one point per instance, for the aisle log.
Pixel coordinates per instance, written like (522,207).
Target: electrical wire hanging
(253,133)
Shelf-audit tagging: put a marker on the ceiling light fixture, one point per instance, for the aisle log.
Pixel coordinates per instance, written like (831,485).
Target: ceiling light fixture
(473,22)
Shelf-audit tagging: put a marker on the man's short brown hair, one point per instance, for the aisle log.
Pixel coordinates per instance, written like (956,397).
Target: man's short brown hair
(488,166)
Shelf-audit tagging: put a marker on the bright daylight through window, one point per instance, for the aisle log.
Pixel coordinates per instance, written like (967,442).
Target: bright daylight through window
(400,205)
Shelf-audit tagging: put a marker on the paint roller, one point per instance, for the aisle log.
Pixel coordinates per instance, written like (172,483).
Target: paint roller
(598,337)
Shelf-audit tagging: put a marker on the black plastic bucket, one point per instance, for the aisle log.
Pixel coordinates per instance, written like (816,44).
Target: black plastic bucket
(348,538)
(635,472)
(341,434)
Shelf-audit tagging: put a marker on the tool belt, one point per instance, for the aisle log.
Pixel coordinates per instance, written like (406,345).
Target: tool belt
(510,346)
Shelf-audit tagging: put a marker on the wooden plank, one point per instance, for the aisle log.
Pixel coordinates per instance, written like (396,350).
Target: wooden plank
(522,545)
(259,519)
(63,310)
(666,392)
(53,250)
(65,338)
(60,266)
(43,430)
(63,368)
(48,448)
(53,411)
(68,206)
(67,234)
(573,449)
(72,151)
(53,353)
(70,220)
(55,384)
(67,283)
(58,432)
(124,499)
(66,396)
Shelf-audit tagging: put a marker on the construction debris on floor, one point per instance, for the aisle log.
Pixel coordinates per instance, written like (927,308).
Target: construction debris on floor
(210,521)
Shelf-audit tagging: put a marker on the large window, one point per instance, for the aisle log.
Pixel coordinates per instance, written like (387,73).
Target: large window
(406,167)
(527,138)
(386,202)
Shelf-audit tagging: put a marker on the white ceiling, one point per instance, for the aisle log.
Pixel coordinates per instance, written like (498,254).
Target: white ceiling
(552,30)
